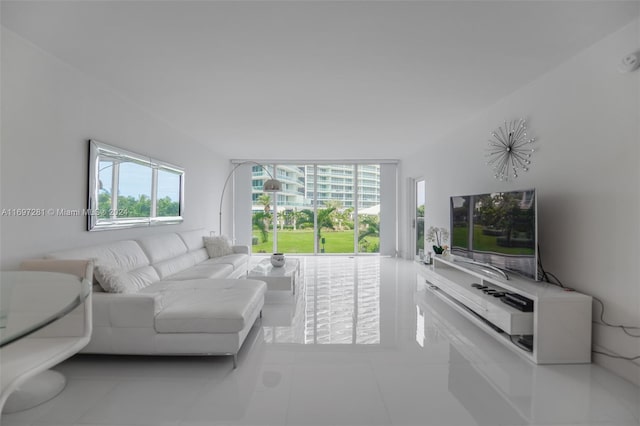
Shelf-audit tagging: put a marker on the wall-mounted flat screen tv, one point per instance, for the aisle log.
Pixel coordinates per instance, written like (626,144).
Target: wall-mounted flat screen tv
(497,228)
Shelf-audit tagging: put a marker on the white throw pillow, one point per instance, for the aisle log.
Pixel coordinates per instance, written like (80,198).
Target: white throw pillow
(114,280)
(217,246)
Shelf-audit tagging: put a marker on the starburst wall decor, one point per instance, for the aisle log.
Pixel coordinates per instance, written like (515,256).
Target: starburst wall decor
(509,150)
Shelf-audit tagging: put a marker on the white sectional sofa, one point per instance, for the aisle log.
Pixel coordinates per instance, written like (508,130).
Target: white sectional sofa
(177,300)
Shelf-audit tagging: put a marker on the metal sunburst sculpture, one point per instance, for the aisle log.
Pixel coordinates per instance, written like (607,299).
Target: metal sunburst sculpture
(509,150)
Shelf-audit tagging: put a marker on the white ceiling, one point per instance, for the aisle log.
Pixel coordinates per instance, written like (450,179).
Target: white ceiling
(315,79)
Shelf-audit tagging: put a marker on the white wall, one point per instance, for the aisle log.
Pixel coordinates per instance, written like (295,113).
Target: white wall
(49,111)
(586,117)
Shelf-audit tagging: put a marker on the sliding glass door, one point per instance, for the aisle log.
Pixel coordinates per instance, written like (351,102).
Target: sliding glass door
(335,203)
(322,208)
(419,217)
(282,222)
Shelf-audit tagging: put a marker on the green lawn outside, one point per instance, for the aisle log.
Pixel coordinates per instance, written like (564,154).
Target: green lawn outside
(484,242)
(488,243)
(460,236)
(301,241)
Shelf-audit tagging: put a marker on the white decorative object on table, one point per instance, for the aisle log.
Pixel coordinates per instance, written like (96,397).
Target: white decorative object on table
(278,260)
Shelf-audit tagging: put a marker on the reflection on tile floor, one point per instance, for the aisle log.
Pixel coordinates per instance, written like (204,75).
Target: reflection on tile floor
(337,302)
(359,344)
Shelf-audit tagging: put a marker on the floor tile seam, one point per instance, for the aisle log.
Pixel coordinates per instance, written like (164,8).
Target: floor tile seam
(382,398)
(287,416)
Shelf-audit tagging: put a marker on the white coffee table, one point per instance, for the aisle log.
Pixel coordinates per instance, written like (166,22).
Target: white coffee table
(283,278)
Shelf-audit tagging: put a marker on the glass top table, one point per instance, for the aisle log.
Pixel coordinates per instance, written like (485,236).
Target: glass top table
(31,300)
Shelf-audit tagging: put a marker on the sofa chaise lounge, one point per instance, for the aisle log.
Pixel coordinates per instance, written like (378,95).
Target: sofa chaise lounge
(173,298)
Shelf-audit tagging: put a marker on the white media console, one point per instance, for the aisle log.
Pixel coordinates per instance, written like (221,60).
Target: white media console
(558,329)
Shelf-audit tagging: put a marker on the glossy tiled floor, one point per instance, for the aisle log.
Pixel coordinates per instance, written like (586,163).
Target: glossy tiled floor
(359,344)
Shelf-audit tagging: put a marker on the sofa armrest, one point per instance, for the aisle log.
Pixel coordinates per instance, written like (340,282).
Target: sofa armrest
(124,310)
(240,249)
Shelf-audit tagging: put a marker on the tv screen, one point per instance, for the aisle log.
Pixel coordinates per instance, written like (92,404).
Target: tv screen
(498,228)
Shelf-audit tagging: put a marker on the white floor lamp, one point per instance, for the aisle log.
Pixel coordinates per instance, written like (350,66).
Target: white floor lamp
(270,185)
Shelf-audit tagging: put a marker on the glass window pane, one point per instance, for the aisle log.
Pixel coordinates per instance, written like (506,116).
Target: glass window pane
(369,208)
(262,210)
(168,193)
(294,211)
(134,190)
(336,203)
(420,198)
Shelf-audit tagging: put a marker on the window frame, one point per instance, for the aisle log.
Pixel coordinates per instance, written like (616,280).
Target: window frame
(98,150)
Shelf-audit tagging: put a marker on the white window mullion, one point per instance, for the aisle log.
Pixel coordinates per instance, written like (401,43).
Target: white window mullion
(115,181)
(315,209)
(154,192)
(356,225)
(274,222)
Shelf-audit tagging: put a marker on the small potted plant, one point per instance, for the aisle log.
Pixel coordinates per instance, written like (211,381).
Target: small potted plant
(438,236)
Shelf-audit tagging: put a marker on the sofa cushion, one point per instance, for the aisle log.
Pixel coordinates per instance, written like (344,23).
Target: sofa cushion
(126,255)
(235,260)
(217,246)
(219,306)
(199,255)
(162,247)
(114,280)
(215,270)
(193,239)
(174,265)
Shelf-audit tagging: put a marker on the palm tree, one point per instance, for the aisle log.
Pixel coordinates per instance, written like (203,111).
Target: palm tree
(306,217)
(282,218)
(370,227)
(265,200)
(260,219)
(336,204)
(296,217)
(344,219)
(325,219)
(337,214)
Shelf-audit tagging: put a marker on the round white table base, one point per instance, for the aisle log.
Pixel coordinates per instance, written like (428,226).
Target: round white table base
(38,389)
